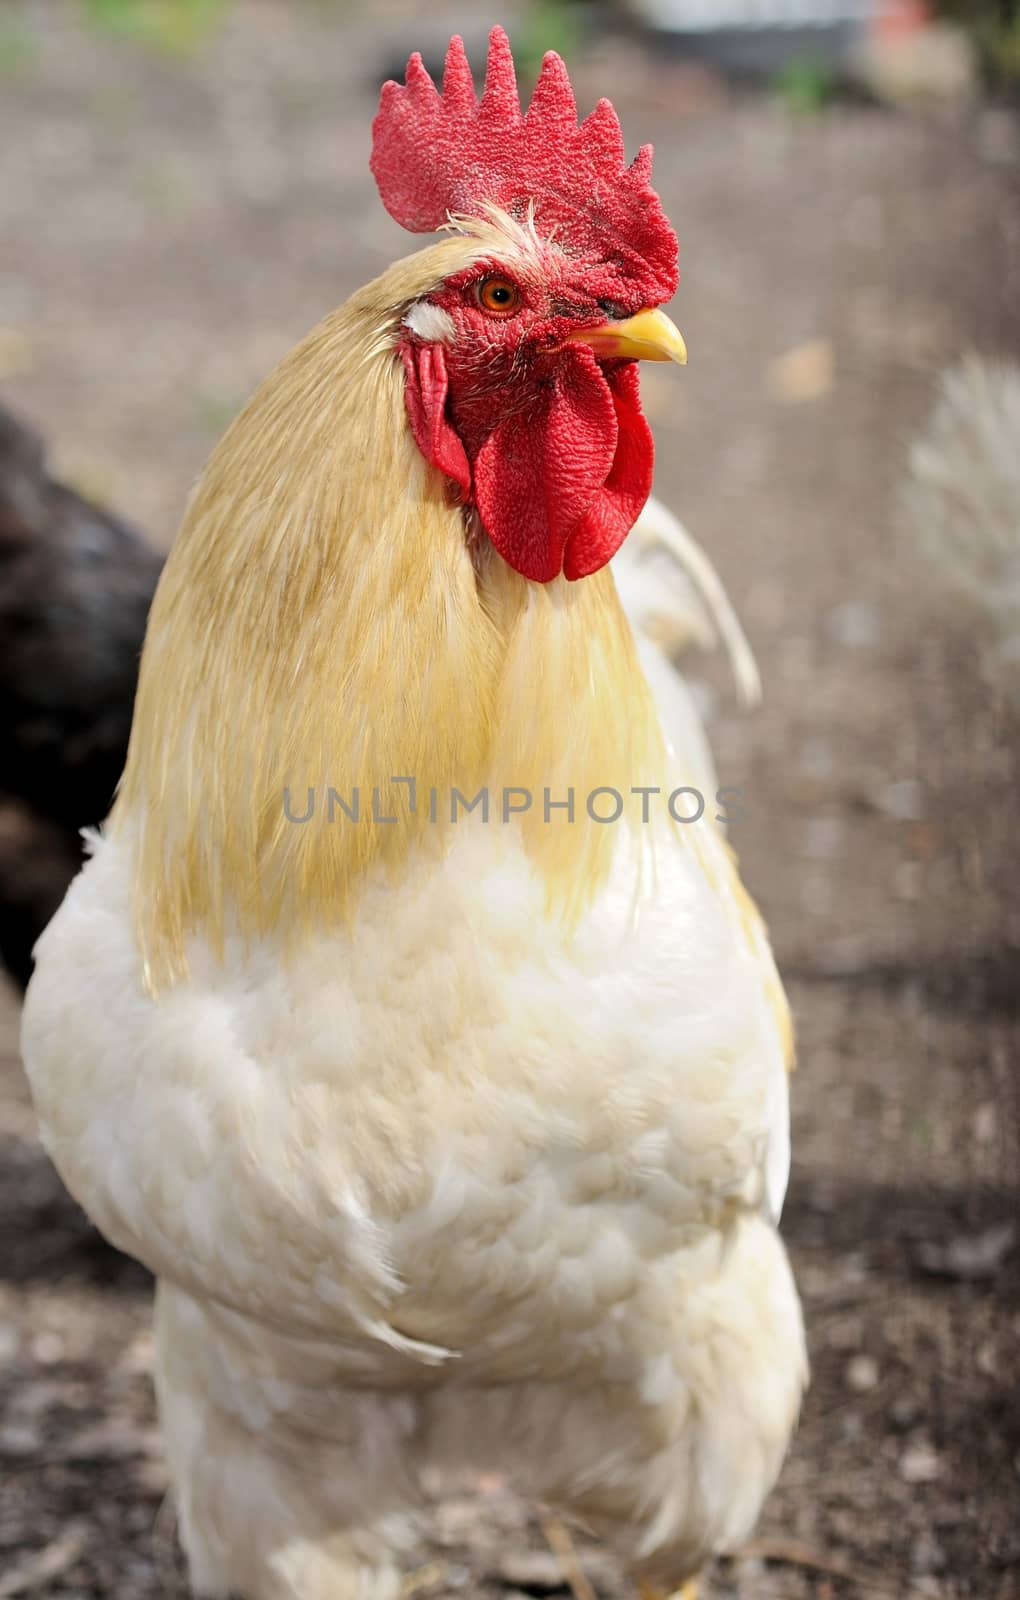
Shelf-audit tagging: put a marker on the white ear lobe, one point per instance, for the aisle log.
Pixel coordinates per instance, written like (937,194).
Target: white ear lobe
(431,323)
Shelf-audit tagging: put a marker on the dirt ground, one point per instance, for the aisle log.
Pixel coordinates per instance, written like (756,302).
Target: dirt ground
(167,228)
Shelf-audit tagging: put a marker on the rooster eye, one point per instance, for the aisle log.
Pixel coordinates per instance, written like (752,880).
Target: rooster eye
(499,296)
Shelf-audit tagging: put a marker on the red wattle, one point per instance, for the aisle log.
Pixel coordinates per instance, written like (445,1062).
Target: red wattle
(538,472)
(618,504)
(559,482)
(425,391)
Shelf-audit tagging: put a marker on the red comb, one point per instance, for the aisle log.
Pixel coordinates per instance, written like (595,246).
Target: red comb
(435,154)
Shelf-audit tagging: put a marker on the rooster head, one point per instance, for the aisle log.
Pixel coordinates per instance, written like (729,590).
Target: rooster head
(521,379)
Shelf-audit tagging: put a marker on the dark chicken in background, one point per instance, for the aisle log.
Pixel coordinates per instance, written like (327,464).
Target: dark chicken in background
(75,587)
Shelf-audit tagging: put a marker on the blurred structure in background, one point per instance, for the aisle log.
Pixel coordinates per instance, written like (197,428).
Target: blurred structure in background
(893,48)
(760,36)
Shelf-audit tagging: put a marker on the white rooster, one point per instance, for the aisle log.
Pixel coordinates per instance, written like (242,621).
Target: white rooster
(962,503)
(400,1022)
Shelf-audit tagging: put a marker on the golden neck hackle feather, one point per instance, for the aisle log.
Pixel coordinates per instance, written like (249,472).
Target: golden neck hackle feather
(324,619)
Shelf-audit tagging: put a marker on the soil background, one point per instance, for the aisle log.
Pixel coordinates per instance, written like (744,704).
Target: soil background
(169,225)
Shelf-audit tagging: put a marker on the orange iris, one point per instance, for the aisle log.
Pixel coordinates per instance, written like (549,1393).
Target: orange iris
(499,296)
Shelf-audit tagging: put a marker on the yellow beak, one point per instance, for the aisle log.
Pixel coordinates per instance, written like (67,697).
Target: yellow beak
(650,336)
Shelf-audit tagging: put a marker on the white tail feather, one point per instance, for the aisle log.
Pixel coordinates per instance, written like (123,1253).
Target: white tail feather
(674,596)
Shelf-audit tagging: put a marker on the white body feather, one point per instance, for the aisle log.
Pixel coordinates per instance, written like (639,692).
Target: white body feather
(457,1189)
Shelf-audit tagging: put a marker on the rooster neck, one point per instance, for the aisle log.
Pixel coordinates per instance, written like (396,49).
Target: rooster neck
(326,623)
